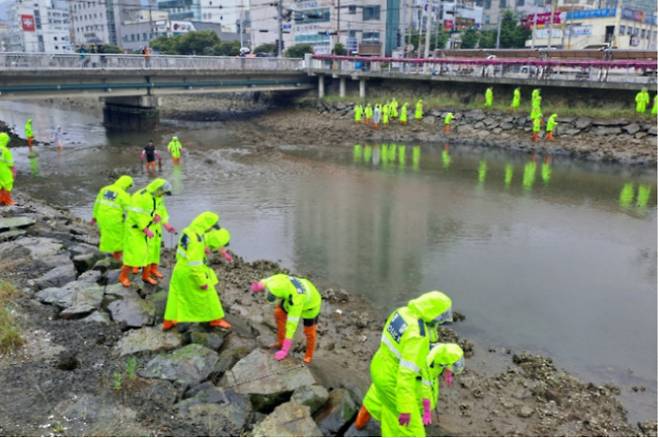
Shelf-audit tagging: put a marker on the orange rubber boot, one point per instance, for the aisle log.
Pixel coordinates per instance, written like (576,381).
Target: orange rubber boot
(168,325)
(311,334)
(135,270)
(3,197)
(549,136)
(362,418)
(154,271)
(221,323)
(124,276)
(280,317)
(146,276)
(8,200)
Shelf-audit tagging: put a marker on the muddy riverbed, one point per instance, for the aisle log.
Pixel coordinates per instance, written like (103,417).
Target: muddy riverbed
(552,247)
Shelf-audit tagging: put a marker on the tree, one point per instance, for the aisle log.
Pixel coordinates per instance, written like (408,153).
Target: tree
(488,39)
(299,50)
(512,34)
(197,43)
(470,38)
(109,48)
(339,49)
(166,45)
(266,48)
(227,48)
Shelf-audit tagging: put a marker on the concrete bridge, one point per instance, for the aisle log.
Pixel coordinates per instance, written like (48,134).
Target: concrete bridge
(131,84)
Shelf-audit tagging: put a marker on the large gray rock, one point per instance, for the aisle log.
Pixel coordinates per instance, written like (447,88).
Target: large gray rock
(475,115)
(87,260)
(45,253)
(148,339)
(211,340)
(583,123)
(371,429)
(98,316)
(159,302)
(234,348)
(288,419)
(57,277)
(7,236)
(132,312)
(267,381)
(606,130)
(91,415)
(188,365)
(632,128)
(8,223)
(232,407)
(77,298)
(338,413)
(313,396)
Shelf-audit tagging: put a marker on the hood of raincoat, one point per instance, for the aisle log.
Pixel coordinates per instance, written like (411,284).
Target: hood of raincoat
(124,182)
(204,222)
(4,139)
(430,305)
(278,285)
(216,239)
(158,184)
(444,356)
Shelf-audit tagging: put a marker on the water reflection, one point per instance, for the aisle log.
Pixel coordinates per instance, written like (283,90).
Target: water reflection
(509,175)
(482,172)
(34,164)
(627,195)
(446,160)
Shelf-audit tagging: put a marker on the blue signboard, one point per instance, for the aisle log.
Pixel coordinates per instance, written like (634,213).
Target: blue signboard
(591,13)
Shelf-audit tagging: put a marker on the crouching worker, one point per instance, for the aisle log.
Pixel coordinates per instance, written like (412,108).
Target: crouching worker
(399,361)
(444,360)
(299,299)
(192,296)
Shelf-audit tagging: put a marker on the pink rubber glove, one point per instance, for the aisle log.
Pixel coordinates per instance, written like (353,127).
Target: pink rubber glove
(204,287)
(93,221)
(427,412)
(285,348)
(257,286)
(404,419)
(157,218)
(169,228)
(447,377)
(227,255)
(149,233)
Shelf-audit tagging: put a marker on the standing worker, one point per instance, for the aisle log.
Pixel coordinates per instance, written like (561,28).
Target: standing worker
(109,211)
(368,113)
(488,98)
(551,124)
(404,114)
(401,356)
(175,148)
(536,127)
(149,156)
(654,108)
(516,99)
(160,221)
(642,99)
(358,113)
(299,299)
(29,134)
(419,110)
(394,108)
(192,296)
(7,171)
(377,116)
(138,234)
(447,122)
(386,112)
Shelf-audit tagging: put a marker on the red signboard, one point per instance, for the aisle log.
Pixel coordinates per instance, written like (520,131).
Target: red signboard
(542,19)
(27,23)
(447,25)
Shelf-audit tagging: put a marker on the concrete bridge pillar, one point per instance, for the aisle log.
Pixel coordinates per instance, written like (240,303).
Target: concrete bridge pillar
(321,86)
(362,88)
(342,86)
(131,113)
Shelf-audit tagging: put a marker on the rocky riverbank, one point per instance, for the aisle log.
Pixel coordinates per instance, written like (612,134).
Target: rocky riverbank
(614,141)
(95,361)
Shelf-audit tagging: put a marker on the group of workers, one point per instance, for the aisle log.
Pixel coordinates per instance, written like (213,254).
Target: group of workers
(381,115)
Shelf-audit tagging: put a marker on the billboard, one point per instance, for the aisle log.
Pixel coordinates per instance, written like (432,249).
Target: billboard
(591,13)
(543,18)
(27,23)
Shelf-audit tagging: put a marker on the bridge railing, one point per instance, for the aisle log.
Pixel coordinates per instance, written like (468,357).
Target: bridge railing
(641,71)
(101,61)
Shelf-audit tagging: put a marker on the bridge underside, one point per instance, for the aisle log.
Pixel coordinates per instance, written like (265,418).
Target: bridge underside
(76,83)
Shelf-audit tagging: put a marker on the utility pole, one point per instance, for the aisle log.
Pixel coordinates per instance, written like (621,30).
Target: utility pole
(534,26)
(500,24)
(148,41)
(279,44)
(550,25)
(403,27)
(428,28)
(337,25)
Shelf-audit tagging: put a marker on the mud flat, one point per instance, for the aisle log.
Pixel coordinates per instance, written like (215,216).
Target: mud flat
(95,361)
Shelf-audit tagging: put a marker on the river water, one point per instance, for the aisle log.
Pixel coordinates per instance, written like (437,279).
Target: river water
(540,253)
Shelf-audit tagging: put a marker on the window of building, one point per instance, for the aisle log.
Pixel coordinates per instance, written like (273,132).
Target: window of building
(132,37)
(144,37)
(642,33)
(351,10)
(312,16)
(370,36)
(371,13)
(622,30)
(55,38)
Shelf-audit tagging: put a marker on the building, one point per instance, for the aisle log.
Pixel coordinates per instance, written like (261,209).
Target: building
(264,23)
(459,15)
(621,28)
(39,26)
(4,36)
(100,22)
(181,9)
